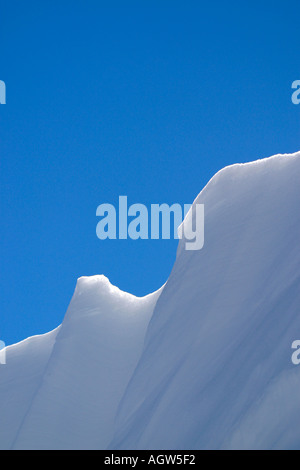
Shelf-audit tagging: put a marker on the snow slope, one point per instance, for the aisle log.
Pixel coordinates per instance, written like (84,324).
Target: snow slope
(216,369)
(79,386)
(204,363)
(20,379)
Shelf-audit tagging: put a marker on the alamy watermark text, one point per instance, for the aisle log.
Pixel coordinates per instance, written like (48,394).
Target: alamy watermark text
(2,92)
(296,94)
(115,223)
(2,353)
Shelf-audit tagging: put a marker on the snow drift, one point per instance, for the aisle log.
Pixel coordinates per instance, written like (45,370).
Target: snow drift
(204,363)
(77,383)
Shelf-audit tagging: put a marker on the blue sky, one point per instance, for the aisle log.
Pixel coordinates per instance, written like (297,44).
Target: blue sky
(140,98)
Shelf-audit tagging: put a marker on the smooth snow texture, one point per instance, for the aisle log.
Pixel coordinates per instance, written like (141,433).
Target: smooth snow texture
(20,379)
(91,362)
(216,369)
(212,369)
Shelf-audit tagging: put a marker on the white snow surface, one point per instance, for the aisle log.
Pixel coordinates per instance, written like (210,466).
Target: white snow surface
(203,363)
(76,384)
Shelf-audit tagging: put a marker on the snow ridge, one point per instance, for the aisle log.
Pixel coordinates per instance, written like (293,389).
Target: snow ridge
(203,363)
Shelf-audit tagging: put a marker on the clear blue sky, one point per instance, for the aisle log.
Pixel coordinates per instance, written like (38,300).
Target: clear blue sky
(140,98)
